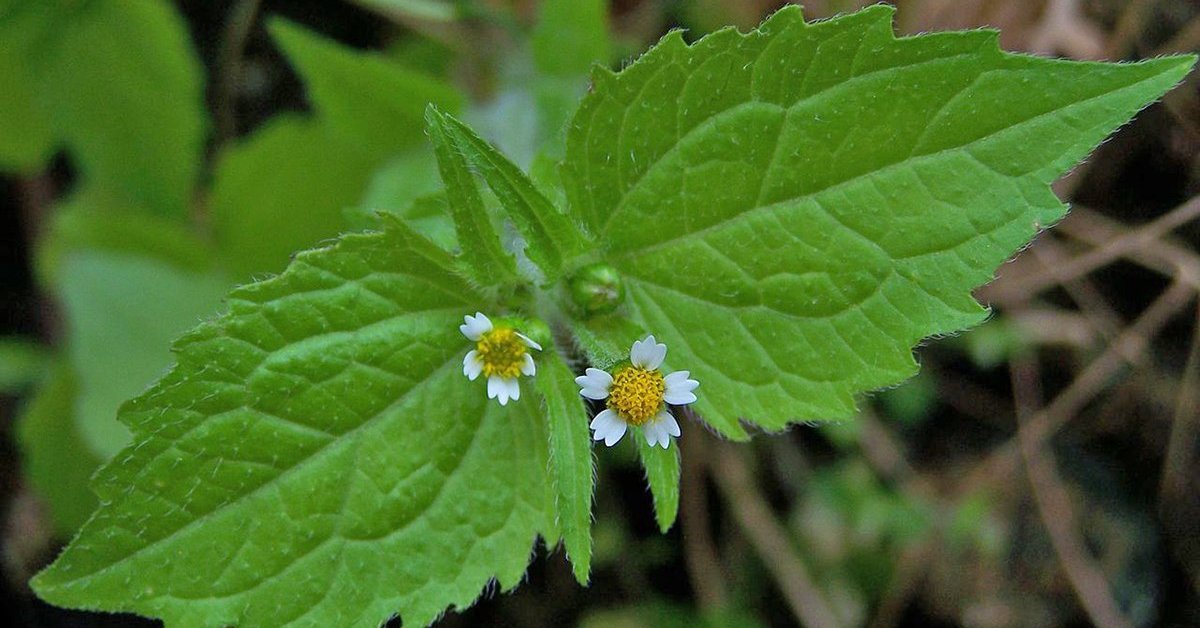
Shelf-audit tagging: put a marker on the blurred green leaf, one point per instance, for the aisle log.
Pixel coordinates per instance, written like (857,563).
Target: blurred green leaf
(22,363)
(408,186)
(433,10)
(993,343)
(663,614)
(571,36)
(371,100)
(282,190)
(972,525)
(910,402)
(402,180)
(57,460)
(122,313)
(27,138)
(92,217)
(125,92)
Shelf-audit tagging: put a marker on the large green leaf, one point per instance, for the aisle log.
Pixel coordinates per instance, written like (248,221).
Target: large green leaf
(795,208)
(317,457)
(125,91)
(372,101)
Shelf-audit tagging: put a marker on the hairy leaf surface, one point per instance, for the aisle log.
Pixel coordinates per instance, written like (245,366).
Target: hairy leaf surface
(795,208)
(313,459)
(571,464)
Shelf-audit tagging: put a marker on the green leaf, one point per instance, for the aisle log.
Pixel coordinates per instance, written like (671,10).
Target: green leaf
(484,257)
(552,237)
(122,312)
(662,474)
(432,10)
(284,189)
(570,36)
(56,459)
(401,181)
(795,208)
(22,363)
(372,101)
(28,137)
(125,91)
(317,457)
(571,464)
(93,217)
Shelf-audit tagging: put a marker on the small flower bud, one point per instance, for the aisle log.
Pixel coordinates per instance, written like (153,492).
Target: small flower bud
(597,289)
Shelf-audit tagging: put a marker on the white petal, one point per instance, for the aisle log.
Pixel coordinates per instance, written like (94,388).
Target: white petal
(529,341)
(475,326)
(603,419)
(679,398)
(514,388)
(529,368)
(678,378)
(666,421)
(639,353)
(594,393)
(678,388)
(595,384)
(648,353)
(472,365)
(615,432)
(495,386)
(652,433)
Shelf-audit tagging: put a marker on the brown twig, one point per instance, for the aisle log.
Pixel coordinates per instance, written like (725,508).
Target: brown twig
(770,539)
(700,556)
(1129,26)
(1178,495)
(1083,292)
(1063,29)
(1166,256)
(1016,288)
(229,67)
(1054,505)
(1128,348)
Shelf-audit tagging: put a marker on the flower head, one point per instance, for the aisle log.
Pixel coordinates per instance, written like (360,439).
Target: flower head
(637,394)
(500,353)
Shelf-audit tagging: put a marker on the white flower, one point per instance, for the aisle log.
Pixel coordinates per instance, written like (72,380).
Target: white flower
(500,353)
(637,394)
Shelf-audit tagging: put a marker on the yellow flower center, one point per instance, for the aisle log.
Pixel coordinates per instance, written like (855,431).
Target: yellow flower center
(636,394)
(502,352)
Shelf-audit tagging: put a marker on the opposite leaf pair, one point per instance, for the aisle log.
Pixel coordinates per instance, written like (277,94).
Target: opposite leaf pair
(636,394)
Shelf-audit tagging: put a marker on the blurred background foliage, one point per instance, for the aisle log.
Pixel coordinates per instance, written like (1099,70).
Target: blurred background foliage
(1042,469)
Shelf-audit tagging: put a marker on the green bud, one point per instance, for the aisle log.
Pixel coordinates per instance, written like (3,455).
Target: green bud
(597,289)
